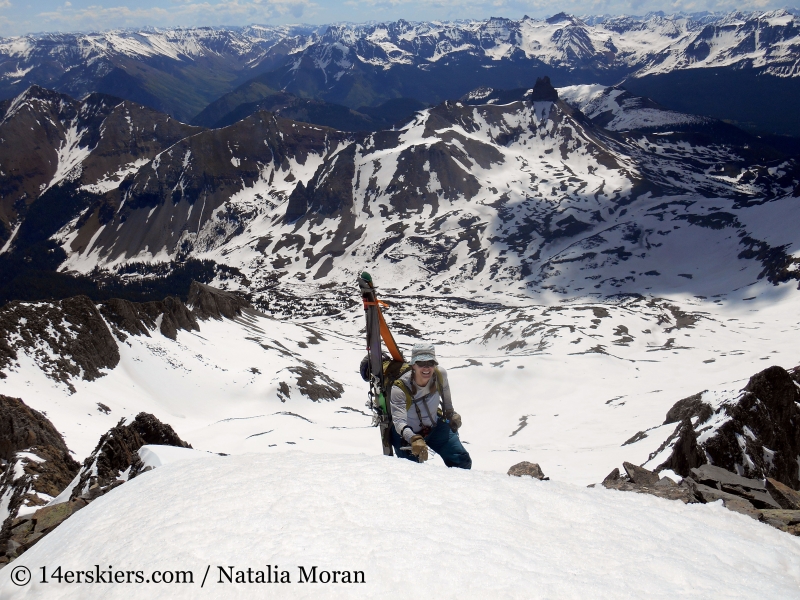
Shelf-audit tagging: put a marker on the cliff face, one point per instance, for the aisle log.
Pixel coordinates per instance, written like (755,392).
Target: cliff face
(36,462)
(50,138)
(755,433)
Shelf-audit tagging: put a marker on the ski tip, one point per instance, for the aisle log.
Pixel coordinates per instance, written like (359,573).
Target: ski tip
(366,277)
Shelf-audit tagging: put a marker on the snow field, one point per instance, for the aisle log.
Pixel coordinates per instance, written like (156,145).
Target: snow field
(557,400)
(412,529)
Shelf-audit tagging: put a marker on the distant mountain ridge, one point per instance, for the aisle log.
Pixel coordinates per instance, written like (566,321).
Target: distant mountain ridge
(182,71)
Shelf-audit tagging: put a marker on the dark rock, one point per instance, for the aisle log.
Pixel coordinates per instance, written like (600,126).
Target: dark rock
(712,494)
(758,498)
(666,482)
(742,506)
(785,496)
(38,465)
(782,516)
(22,427)
(527,468)
(543,90)
(139,318)
(716,476)
(640,475)
(28,530)
(210,303)
(688,408)
(785,520)
(686,453)
(297,205)
(682,493)
(613,476)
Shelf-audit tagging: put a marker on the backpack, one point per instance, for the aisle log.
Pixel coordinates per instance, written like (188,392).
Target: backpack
(393,370)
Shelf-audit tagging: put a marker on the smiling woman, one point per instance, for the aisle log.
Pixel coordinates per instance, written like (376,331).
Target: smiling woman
(415,400)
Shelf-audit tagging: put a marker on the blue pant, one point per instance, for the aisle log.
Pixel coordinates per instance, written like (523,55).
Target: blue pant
(443,441)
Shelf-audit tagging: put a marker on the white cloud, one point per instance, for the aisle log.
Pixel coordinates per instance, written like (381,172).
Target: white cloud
(5,4)
(478,9)
(179,12)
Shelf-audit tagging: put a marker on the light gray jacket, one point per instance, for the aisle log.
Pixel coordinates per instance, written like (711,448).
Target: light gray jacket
(407,422)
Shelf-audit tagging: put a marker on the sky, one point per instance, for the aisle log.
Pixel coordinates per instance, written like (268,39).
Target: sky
(18,17)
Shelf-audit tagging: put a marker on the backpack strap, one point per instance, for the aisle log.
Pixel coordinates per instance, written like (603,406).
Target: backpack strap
(409,400)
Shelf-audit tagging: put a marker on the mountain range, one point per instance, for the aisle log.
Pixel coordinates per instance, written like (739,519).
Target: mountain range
(472,192)
(740,67)
(608,281)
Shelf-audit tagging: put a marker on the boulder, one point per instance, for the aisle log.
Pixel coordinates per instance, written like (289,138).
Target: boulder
(785,520)
(717,476)
(711,494)
(684,493)
(613,476)
(785,496)
(640,475)
(528,469)
(742,506)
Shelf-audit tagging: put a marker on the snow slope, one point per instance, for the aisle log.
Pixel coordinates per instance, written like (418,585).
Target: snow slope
(563,384)
(413,530)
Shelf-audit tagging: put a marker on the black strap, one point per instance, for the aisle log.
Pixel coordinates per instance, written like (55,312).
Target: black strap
(424,399)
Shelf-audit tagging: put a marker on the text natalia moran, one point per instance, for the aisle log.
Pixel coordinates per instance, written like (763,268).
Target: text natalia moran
(271,574)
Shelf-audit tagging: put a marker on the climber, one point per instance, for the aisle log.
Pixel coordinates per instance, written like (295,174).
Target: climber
(419,424)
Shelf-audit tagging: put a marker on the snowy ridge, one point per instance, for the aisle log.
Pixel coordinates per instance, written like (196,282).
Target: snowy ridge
(617,110)
(174,43)
(512,538)
(653,44)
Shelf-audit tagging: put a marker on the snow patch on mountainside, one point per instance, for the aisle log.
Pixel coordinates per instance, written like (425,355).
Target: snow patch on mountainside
(620,111)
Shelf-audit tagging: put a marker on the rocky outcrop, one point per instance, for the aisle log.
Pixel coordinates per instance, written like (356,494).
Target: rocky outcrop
(770,502)
(211,303)
(139,318)
(75,338)
(28,529)
(67,338)
(116,456)
(543,90)
(755,434)
(527,469)
(22,427)
(36,462)
(114,461)
(642,481)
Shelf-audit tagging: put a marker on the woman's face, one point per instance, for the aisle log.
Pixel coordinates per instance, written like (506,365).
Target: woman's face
(423,371)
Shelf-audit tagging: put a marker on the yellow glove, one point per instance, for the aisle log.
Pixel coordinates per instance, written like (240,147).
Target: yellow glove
(419,448)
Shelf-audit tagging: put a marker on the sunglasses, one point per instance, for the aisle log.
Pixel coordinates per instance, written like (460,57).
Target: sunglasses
(426,364)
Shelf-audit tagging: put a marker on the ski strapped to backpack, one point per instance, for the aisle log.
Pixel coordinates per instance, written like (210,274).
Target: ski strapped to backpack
(378,330)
